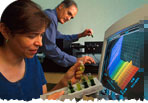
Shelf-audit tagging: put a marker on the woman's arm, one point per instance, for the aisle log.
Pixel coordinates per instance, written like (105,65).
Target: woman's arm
(44,87)
(72,74)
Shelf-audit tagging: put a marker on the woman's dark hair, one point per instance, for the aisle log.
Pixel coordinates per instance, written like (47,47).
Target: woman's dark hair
(68,3)
(23,16)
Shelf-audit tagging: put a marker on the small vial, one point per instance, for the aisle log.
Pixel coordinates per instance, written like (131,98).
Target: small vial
(70,87)
(90,77)
(84,82)
(82,67)
(78,86)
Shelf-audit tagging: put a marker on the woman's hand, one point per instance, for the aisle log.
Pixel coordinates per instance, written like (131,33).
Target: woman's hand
(73,74)
(55,96)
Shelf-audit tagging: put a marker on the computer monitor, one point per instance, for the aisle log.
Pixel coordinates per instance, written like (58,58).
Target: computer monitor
(121,68)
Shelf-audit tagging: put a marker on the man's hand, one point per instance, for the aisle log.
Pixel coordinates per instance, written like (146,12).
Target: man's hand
(86,32)
(86,59)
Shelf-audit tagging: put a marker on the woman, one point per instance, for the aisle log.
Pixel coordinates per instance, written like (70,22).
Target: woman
(21,77)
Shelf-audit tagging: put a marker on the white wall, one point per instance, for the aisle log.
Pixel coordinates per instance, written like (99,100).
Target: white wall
(96,14)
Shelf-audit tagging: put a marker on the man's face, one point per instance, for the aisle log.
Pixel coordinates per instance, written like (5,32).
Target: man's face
(65,14)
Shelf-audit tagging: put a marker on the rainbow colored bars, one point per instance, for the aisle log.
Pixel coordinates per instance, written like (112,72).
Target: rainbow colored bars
(123,73)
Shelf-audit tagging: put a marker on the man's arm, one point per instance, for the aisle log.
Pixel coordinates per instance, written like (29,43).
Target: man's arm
(54,53)
(74,37)
(49,44)
(67,37)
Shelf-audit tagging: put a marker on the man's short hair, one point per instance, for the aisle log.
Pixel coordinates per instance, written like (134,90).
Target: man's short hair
(68,3)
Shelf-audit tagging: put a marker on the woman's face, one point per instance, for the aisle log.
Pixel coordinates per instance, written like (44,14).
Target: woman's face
(26,45)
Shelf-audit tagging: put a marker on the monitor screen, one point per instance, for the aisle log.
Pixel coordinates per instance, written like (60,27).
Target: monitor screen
(123,62)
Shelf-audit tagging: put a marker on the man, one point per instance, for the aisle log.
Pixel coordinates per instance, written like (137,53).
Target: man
(64,12)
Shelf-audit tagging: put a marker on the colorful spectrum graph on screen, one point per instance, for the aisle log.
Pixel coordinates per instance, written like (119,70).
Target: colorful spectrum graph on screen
(123,73)
(120,71)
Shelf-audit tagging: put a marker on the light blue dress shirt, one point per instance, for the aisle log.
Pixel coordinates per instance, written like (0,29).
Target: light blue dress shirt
(50,48)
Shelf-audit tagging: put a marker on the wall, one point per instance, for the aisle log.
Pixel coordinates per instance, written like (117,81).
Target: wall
(96,14)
